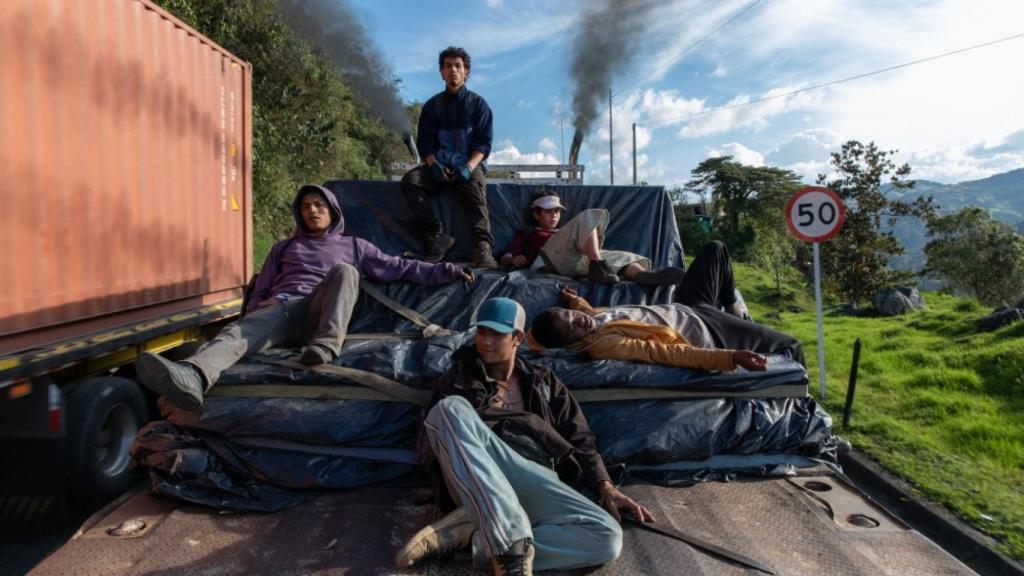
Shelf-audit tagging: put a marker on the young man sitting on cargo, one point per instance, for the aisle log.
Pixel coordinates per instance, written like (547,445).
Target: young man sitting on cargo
(692,333)
(454,138)
(513,446)
(576,248)
(304,294)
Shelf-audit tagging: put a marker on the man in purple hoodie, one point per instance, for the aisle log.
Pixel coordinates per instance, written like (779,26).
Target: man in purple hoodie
(304,294)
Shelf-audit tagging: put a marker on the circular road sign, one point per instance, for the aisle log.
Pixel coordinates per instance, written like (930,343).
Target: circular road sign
(815,214)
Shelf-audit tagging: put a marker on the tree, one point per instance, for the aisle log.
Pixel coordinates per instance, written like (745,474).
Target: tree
(855,263)
(747,204)
(975,254)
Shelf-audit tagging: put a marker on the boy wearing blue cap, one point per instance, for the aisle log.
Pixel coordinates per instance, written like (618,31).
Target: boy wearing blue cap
(512,446)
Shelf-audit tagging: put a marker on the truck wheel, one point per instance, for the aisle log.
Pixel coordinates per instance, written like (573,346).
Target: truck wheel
(104,415)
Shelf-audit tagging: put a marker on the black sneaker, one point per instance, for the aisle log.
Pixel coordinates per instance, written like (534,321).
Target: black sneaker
(600,273)
(662,277)
(180,382)
(438,246)
(518,561)
(483,258)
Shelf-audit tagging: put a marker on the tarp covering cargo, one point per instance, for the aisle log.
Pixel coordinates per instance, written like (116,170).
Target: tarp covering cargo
(259,453)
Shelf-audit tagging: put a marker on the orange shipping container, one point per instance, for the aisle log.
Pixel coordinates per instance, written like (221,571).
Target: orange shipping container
(125,166)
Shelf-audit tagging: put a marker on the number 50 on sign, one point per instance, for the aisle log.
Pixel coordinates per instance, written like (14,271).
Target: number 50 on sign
(815,214)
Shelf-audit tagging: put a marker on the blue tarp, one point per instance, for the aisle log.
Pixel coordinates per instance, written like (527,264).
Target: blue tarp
(345,444)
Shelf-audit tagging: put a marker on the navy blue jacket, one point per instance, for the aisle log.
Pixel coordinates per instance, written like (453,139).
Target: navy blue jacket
(451,126)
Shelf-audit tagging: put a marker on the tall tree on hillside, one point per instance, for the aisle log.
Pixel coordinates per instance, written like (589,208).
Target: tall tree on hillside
(747,203)
(856,261)
(975,254)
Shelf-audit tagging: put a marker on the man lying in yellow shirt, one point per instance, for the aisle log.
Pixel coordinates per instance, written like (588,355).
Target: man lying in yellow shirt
(692,333)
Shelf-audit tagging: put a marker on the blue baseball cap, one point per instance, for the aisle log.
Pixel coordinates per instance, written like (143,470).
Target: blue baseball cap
(502,315)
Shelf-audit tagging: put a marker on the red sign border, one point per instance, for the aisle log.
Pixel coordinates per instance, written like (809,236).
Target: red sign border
(839,221)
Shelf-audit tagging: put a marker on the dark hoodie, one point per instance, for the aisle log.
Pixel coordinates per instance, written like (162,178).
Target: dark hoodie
(296,265)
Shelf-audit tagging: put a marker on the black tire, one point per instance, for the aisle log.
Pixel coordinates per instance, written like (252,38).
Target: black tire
(103,416)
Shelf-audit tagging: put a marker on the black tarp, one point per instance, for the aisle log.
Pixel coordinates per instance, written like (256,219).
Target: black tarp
(641,219)
(252,453)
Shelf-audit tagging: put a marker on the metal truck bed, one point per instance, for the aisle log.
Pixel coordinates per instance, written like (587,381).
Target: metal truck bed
(812,524)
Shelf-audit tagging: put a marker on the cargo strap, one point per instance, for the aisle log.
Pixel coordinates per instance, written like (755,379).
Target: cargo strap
(623,394)
(701,544)
(429,328)
(376,387)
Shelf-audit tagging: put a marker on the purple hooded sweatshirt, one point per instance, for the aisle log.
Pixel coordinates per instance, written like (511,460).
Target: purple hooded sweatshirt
(296,265)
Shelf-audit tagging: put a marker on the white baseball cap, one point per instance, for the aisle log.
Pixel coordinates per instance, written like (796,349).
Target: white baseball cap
(548,202)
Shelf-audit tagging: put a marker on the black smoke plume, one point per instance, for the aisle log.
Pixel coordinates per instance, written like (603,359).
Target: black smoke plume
(332,27)
(609,33)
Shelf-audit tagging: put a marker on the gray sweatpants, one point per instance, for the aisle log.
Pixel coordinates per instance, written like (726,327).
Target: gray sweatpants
(320,318)
(509,498)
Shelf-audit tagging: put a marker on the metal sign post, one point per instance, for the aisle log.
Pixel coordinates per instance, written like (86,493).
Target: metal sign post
(815,214)
(821,330)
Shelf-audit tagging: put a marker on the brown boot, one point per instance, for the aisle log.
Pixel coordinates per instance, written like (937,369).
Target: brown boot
(483,258)
(448,534)
(518,561)
(438,246)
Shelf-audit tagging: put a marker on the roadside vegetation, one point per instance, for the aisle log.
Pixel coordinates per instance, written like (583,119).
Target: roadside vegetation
(937,403)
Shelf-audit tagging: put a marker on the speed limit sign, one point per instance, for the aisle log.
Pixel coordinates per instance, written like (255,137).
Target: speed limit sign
(815,214)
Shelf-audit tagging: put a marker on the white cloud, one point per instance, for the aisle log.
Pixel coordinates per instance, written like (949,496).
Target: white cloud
(524,104)
(719,72)
(508,153)
(741,113)
(979,160)
(739,152)
(494,3)
(547,145)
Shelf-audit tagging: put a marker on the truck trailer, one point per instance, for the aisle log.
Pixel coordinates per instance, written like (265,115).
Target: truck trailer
(125,226)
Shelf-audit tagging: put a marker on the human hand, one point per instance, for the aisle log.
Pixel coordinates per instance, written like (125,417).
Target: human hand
(464,172)
(568,294)
(440,171)
(615,502)
(519,261)
(467,275)
(750,360)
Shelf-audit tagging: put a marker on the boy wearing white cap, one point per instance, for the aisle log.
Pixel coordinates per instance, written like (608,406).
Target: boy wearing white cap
(575,249)
(513,447)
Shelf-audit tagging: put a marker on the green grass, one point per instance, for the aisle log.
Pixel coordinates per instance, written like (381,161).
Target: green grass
(937,403)
(261,244)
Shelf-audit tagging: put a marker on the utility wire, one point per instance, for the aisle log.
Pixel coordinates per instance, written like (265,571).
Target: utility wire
(832,83)
(691,46)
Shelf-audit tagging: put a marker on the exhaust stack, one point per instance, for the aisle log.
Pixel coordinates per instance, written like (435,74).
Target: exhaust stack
(574,152)
(410,144)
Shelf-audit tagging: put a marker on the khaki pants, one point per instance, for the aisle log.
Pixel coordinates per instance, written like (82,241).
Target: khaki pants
(562,254)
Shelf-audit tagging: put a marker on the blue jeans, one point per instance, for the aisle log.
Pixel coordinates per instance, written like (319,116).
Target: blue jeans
(509,498)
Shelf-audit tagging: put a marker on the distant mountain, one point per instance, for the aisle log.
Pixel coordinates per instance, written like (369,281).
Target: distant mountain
(1001,194)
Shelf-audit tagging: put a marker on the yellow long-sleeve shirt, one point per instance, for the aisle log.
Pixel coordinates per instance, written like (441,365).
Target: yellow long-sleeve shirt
(650,343)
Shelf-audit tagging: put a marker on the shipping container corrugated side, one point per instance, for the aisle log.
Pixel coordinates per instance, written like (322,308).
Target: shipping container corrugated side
(125,163)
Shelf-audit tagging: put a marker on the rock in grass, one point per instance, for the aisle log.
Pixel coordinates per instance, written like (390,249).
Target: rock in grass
(999,318)
(896,301)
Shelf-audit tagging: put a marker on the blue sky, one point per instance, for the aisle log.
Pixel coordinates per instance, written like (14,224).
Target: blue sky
(953,119)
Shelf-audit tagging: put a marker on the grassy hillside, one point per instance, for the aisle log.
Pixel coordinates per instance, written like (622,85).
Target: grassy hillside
(937,403)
